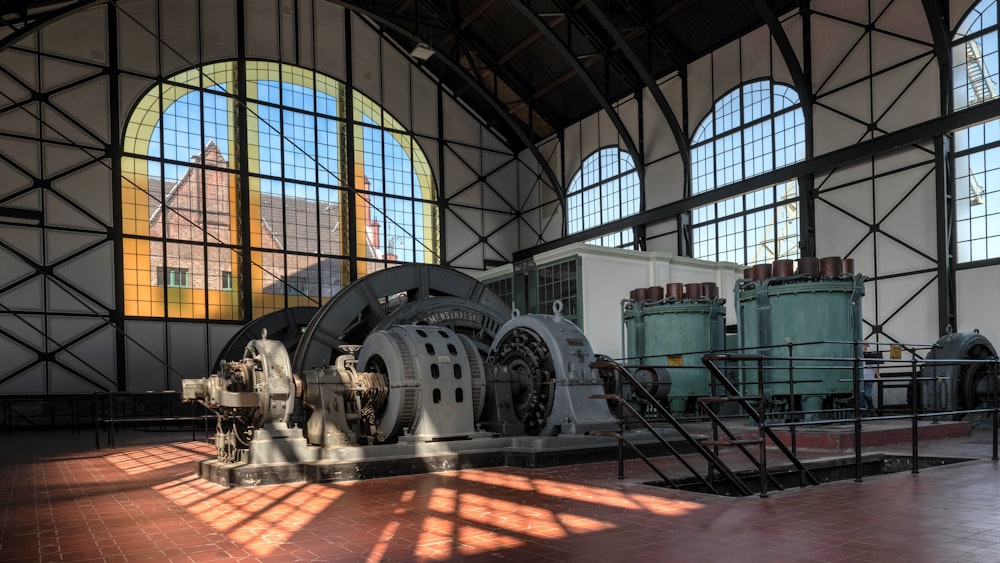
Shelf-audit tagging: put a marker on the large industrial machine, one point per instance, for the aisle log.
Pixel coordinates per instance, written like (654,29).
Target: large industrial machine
(807,323)
(409,355)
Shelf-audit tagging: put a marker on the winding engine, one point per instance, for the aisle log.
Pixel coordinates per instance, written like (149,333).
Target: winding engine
(431,381)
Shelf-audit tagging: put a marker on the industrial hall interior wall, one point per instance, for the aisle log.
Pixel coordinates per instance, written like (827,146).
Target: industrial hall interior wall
(71,130)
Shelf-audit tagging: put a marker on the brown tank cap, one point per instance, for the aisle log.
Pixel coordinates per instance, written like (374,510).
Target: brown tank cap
(654,293)
(829,266)
(809,265)
(783,268)
(675,290)
(692,290)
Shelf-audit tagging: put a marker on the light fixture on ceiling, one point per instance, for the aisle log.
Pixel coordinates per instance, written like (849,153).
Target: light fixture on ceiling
(422,51)
(976,192)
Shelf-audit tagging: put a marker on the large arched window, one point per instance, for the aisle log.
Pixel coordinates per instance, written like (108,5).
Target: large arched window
(284,174)
(753,129)
(977,148)
(606,188)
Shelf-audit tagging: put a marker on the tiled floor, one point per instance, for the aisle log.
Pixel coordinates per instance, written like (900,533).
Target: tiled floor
(61,500)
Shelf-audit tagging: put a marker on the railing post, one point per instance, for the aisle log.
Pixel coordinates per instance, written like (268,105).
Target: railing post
(621,426)
(914,410)
(996,411)
(856,381)
(761,430)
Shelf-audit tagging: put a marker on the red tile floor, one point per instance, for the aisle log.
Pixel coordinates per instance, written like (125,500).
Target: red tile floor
(61,500)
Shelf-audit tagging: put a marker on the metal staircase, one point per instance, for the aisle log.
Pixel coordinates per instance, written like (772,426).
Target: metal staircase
(709,449)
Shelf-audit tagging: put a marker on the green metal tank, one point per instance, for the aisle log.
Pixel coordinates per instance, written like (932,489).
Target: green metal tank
(822,316)
(676,333)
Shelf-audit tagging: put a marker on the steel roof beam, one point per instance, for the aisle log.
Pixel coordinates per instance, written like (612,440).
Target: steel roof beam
(568,56)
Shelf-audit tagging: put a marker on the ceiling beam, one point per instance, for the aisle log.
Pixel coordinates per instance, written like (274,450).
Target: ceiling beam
(516,126)
(584,76)
(647,79)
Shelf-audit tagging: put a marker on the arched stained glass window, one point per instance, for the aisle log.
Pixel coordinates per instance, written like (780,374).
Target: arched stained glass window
(753,129)
(606,188)
(977,148)
(274,175)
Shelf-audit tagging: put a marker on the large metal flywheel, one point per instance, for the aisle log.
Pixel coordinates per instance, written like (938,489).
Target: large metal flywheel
(408,294)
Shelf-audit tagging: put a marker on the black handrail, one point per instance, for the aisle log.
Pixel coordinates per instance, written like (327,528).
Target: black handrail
(641,390)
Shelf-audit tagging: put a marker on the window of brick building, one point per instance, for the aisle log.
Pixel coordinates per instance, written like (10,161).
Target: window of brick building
(269,179)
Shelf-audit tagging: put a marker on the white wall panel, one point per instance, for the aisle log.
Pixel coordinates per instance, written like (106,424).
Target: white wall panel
(700,95)
(89,358)
(188,352)
(458,124)
(61,130)
(365,59)
(396,79)
(89,105)
(179,44)
(840,53)
(31,382)
(218,40)
(978,301)
(61,298)
(957,9)
(726,69)
(90,190)
(755,46)
(573,152)
(457,175)
(286,31)
(262,29)
(146,356)
(92,272)
(218,337)
(905,204)
(331,58)
(916,322)
(425,104)
(898,108)
(138,49)
(25,296)
(842,218)
(21,120)
(14,268)
(305,33)
(55,72)
(25,240)
(852,11)
(82,36)
(834,131)
(23,66)
(590,139)
(664,182)
(628,111)
(659,139)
